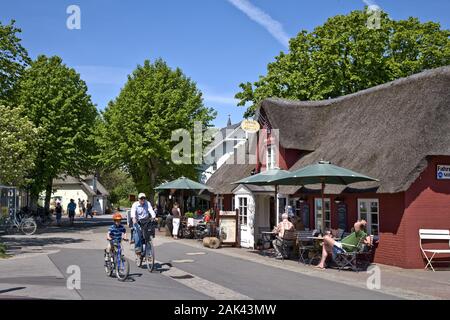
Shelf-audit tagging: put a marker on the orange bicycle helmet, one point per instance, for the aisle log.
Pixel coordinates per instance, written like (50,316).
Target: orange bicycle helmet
(117,216)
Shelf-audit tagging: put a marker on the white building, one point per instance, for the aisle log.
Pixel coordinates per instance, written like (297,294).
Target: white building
(83,188)
(223,146)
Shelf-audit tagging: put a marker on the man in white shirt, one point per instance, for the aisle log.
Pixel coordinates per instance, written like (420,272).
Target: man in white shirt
(140,210)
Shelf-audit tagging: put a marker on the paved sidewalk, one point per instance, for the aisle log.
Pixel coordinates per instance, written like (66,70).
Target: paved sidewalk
(404,283)
(31,264)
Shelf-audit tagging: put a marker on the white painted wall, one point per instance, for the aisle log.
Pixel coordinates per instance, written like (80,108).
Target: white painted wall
(67,192)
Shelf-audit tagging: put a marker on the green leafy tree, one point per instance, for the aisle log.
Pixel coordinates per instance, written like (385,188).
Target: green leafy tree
(138,124)
(57,102)
(18,139)
(13,61)
(344,56)
(120,185)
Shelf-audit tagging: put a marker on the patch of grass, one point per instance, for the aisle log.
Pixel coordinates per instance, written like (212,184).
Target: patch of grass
(3,254)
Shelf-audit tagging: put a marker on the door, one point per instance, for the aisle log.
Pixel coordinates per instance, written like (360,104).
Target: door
(245,233)
(368,209)
(272,214)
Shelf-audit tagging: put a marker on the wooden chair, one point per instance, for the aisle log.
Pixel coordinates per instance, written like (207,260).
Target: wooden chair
(288,242)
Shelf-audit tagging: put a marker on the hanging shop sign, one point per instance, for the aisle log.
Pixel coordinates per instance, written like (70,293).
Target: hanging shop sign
(443,172)
(250,126)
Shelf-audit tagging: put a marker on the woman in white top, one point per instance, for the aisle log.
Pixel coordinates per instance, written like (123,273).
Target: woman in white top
(176,213)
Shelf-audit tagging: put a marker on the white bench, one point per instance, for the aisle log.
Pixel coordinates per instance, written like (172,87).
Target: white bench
(433,234)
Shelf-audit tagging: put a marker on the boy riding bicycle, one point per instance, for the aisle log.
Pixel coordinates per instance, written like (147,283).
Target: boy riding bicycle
(116,233)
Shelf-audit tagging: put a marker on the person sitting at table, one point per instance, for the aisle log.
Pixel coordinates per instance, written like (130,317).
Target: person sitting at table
(284,225)
(348,244)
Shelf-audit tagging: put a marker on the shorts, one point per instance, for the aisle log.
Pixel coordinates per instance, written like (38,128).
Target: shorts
(337,249)
(71,213)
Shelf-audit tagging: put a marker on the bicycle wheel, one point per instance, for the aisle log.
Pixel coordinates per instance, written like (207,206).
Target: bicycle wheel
(149,256)
(108,264)
(28,226)
(122,268)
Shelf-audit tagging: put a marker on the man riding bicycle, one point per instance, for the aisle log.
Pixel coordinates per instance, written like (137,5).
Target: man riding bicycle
(141,213)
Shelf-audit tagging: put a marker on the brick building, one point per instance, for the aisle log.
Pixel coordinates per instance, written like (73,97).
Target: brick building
(397,132)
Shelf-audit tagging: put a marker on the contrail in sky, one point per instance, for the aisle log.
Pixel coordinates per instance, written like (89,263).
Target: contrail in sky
(275,28)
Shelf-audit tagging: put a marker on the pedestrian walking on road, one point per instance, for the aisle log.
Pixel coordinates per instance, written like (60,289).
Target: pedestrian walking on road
(58,212)
(71,207)
(80,208)
(83,208)
(176,213)
(89,209)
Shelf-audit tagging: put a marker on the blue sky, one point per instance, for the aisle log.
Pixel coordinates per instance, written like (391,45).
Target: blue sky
(217,43)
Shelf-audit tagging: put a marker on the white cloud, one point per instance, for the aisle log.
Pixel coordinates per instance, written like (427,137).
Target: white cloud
(212,98)
(372,5)
(274,27)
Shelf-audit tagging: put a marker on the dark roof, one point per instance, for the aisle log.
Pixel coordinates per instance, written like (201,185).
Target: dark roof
(68,180)
(385,132)
(221,180)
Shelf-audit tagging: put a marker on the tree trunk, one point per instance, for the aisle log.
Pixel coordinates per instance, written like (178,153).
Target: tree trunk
(48,194)
(152,173)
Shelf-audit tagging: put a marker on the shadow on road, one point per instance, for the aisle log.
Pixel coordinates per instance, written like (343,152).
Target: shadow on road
(14,244)
(12,289)
(159,267)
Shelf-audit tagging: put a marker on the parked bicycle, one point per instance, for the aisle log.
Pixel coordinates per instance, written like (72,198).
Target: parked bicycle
(116,262)
(39,215)
(148,250)
(25,225)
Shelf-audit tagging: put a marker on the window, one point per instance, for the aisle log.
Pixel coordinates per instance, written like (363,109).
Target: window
(318,213)
(368,209)
(270,158)
(220,203)
(242,210)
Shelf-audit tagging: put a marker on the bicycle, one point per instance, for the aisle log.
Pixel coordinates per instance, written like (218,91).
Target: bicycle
(42,219)
(116,261)
(26,225)
(148,231)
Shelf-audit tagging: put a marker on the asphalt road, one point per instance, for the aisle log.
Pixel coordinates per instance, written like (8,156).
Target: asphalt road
(249,279)
(140,285)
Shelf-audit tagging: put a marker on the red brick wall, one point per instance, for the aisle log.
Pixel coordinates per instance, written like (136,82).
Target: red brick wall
(391,247)
(427,206)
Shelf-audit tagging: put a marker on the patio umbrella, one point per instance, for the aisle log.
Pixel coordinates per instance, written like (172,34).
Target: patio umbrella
(323,172)
(182,183)
(266,178)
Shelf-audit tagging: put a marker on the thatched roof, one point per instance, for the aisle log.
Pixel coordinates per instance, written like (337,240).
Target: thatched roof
(221,180)
(385,132)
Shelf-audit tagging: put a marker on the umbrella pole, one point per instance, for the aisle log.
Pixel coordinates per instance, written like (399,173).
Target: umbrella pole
(323,207)
(275,205)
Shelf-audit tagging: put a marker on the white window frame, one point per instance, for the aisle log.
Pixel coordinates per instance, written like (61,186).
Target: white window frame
(270,159)
(368,218)
(318,221)
(220,203)
(243,210)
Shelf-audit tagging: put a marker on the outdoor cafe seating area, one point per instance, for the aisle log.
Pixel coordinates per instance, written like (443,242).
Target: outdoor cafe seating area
(305,246)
